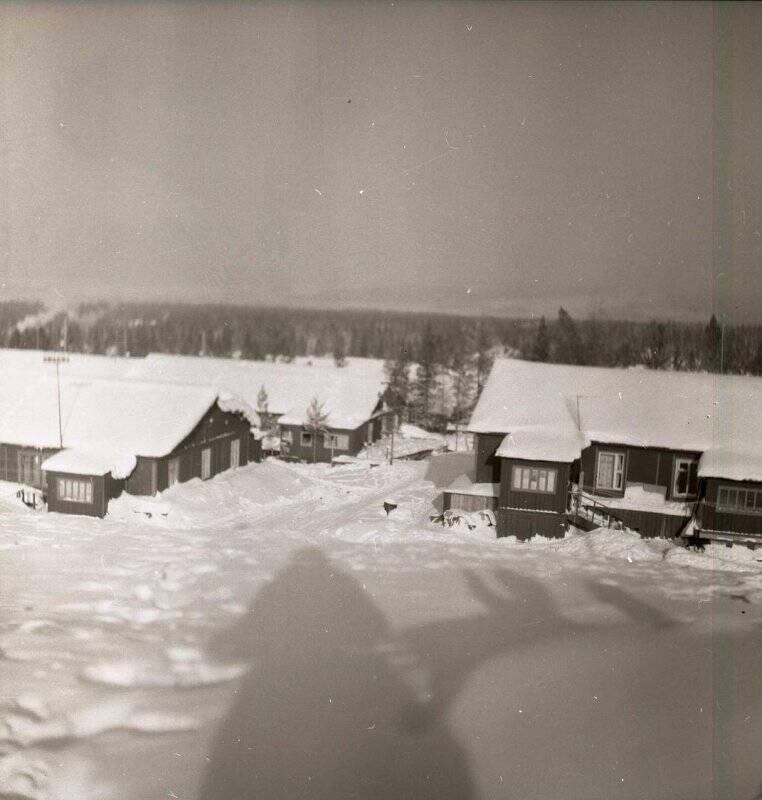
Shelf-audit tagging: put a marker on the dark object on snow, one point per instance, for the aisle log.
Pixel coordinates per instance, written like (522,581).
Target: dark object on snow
(389,507)
(31,498)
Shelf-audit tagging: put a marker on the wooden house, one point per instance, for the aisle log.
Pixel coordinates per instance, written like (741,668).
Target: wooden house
(350,396)
(116,436)
(662,453)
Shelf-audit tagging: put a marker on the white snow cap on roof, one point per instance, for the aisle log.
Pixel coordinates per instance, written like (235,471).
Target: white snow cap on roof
(697,412)
(91,461)
(147,419)
(349,394)
(543,444)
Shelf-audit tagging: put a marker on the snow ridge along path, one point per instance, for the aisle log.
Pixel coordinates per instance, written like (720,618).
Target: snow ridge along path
(145,657)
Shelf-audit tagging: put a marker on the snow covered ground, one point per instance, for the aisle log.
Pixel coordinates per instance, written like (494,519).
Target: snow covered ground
(272,633)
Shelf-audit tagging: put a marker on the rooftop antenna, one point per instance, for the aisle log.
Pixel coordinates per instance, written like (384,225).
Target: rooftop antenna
(58,359)
(579,417)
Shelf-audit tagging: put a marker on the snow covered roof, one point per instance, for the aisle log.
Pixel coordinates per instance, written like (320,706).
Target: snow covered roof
(91,461)
(349,394)
(105,419)
(463,485)
(697,412)
(543,444)
(733,465)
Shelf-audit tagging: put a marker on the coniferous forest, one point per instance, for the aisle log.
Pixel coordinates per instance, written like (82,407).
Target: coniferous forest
(436,364)
(256,333)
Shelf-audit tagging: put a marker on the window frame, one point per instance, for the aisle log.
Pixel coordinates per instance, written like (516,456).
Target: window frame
(331,441)
(66,492)
(616,454)
(176,462)
(287,435)
(206,459)
(235,449)
(723,508)
(310,440)
(518,472)
(687,495)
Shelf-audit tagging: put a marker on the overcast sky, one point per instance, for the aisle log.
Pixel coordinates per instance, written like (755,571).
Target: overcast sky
(491,157)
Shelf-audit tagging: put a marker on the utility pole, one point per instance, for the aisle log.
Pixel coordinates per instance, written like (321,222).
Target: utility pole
(58,359)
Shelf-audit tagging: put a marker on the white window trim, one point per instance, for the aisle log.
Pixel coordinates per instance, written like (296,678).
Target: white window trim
(235,453)
(336,441)
(519,471)
(310,434)
(176,462)
(206,457)
(675,468)
(287,436)
(82,494)
(617,454)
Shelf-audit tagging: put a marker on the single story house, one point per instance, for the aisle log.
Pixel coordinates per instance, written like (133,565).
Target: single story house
(352,397)
(107,436)
(663,453)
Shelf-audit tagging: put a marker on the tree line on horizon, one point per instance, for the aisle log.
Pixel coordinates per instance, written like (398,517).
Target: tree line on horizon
(437,363)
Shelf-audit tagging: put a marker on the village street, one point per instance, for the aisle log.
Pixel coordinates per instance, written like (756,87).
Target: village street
(275,622)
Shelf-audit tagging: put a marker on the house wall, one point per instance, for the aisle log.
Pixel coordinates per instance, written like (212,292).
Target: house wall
(9,463)
(649,465)
(370,431)
(729,522)
(487,463)
(215,430)
(524,514)
(95,509)
(650,525)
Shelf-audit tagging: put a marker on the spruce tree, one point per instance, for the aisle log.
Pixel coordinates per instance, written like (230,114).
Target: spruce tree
(317,417)
(541,347)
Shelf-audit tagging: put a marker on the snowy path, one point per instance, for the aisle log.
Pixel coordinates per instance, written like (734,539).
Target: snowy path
(278,611)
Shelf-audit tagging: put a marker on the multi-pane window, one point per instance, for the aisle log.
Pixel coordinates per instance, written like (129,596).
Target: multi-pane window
(534,479)
(746,501)
(610,473)
(336,441)
(685,480)
(235,453)
(75,490)
(306,439)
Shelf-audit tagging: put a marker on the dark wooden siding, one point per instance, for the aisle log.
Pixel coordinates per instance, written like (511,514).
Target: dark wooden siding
(526,524)
(216,430)
(725,521)
(487,463)
(95,509)
(10,455)
(650,525)
(649,465)
(322,454)
(525,514)
(536,501)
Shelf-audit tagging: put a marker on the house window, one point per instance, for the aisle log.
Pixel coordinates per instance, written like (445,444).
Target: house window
(306,439)
(173,471)
(685,477)
(744,501)
(235,453)
(534,479)
(610,473)
(75,490)
(336,441)
(287,436)
(206,463)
